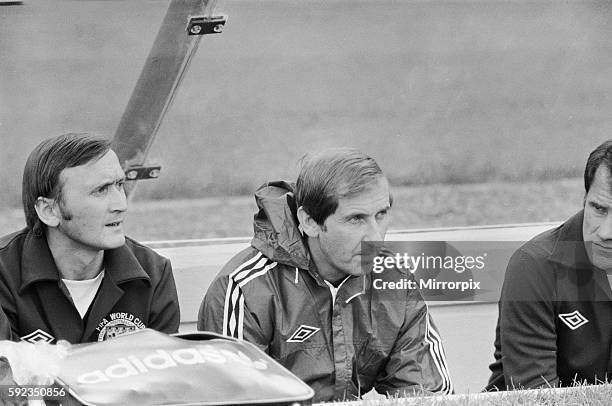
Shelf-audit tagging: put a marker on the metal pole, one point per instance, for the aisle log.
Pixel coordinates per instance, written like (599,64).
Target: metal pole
(159,80)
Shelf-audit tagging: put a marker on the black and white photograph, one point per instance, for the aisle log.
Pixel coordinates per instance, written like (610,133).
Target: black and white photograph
(294,202)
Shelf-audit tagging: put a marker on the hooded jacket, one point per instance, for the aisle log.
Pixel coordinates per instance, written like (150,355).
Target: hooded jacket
(342,344)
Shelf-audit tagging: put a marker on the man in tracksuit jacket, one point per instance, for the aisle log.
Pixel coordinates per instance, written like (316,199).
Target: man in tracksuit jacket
(72,274)
(299,292)
(555,312)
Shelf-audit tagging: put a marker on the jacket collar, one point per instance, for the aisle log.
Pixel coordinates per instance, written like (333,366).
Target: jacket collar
(568,249)
(37,263)
(354,286)
(351,287)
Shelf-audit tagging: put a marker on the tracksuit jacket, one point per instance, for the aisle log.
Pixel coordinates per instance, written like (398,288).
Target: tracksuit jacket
(271,295)
(137,291)
(555,315)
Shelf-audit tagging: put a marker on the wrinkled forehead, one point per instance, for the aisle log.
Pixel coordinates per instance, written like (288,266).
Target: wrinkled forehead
(369,185)
(99,170)
(602,181)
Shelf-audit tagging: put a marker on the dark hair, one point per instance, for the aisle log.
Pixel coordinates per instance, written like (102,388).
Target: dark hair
(600,155)
(41,175)
(330,175)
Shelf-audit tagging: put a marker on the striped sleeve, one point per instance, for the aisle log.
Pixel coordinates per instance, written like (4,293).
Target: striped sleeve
(438,357)
(233,309)
(417,363)
(224,308)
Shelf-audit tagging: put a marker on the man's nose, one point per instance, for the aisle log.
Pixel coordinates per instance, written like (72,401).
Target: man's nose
(374,231)
(604,231)
(118,199)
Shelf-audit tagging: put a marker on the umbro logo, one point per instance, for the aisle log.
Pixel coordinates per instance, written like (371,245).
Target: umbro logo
(573,320)
(38,336)
(302,334)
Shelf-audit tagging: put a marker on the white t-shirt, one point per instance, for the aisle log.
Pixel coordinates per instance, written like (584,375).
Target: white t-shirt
(83,292)
(334,290)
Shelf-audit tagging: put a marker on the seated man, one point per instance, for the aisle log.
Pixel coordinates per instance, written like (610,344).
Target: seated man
(554,326)
(72,274)
(300,294)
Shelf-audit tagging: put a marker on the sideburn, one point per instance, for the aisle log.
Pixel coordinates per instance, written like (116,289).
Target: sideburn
(65,213)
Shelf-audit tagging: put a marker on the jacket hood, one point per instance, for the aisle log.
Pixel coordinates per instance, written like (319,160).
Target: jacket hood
(276,226)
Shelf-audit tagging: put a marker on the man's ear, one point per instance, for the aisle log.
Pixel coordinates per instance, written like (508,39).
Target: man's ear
(47,211)
(307,223)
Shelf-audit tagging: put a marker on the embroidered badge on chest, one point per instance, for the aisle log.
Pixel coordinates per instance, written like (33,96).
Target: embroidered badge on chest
(119,323)
(38,336)
(302,334)
(573,320)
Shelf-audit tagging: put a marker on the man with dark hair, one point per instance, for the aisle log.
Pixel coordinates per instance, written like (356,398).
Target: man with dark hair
(555,311)
(72,274)
(301,293)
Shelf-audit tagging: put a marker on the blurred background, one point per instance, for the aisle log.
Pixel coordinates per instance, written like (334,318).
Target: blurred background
(480,112)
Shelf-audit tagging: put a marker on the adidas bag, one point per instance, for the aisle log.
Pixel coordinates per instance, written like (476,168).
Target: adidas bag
(151,368)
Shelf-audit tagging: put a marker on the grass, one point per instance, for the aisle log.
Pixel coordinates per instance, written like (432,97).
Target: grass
(438,91)
(576,396)
(414,207)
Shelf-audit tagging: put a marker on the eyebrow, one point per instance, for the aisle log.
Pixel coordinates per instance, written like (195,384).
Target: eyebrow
(597,203)
(107,182)
(362,213)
